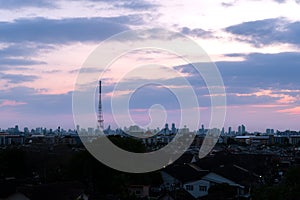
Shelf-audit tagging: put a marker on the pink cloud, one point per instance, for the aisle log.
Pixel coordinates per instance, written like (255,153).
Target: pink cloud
(295,110)
(267,105)
(11,103)
(283,98)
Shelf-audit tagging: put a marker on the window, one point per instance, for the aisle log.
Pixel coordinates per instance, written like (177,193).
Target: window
(189,187)
(202,188)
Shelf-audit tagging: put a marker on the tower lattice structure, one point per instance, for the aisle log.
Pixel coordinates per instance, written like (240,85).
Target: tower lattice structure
(100,114)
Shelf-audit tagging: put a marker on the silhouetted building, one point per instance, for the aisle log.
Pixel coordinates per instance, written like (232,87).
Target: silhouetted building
(229,130)
(173,129)
(241,129)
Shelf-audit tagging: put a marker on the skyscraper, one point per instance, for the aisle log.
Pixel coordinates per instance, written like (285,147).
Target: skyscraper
(229,130)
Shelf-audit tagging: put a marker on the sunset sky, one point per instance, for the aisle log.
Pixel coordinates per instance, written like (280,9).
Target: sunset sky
(254,43)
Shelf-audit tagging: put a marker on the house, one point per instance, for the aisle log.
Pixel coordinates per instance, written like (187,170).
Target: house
(195,180)
(140,191)
(237,171)
(174,176)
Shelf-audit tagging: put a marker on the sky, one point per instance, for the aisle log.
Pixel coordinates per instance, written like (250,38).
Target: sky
(255,45)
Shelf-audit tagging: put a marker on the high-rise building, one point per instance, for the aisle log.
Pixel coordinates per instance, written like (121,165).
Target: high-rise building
(173,129)
(26,130)
(243,129)
(269,131)
(223,131)
(16,129)
(166,129)
(38,130)
(90,131)
(239,130)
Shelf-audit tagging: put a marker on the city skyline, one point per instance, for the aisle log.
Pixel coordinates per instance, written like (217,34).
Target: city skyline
(241,129)
(44,44)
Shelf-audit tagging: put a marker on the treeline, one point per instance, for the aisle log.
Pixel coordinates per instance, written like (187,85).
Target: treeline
(65,165)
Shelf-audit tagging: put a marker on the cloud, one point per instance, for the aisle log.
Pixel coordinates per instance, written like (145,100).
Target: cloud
(19,55)
(23,49)
(61,31)
(5,62)
(7,102)
(259,79)
(129,4)
(136,5)
(267,31)
(233,3)
(16,4)
(36,103)
(88,70)
(268,70)
(280,1)
(197,32)
(229,4)
(282,98)
(17,78)
(294,110)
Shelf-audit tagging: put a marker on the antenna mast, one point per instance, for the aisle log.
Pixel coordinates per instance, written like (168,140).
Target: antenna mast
(100,114)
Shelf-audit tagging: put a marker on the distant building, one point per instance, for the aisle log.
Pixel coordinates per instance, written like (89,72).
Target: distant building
(173,129)
(39,130)
(295,139)
(166,130)
(229,130)
(26,130)
(90,131)
(17,129)
(243,139)
(260,140)
(8,139)
(251,139)
(241,129)
(282,140)
(201,130)
(223,131)
(135,130)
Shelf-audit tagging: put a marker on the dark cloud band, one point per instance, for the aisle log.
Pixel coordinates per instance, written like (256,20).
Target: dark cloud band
(64,30)
(267,31)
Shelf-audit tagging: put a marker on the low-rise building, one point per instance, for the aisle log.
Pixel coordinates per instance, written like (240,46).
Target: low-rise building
(294,139)
(195,180)
(8,139)
(140,191)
